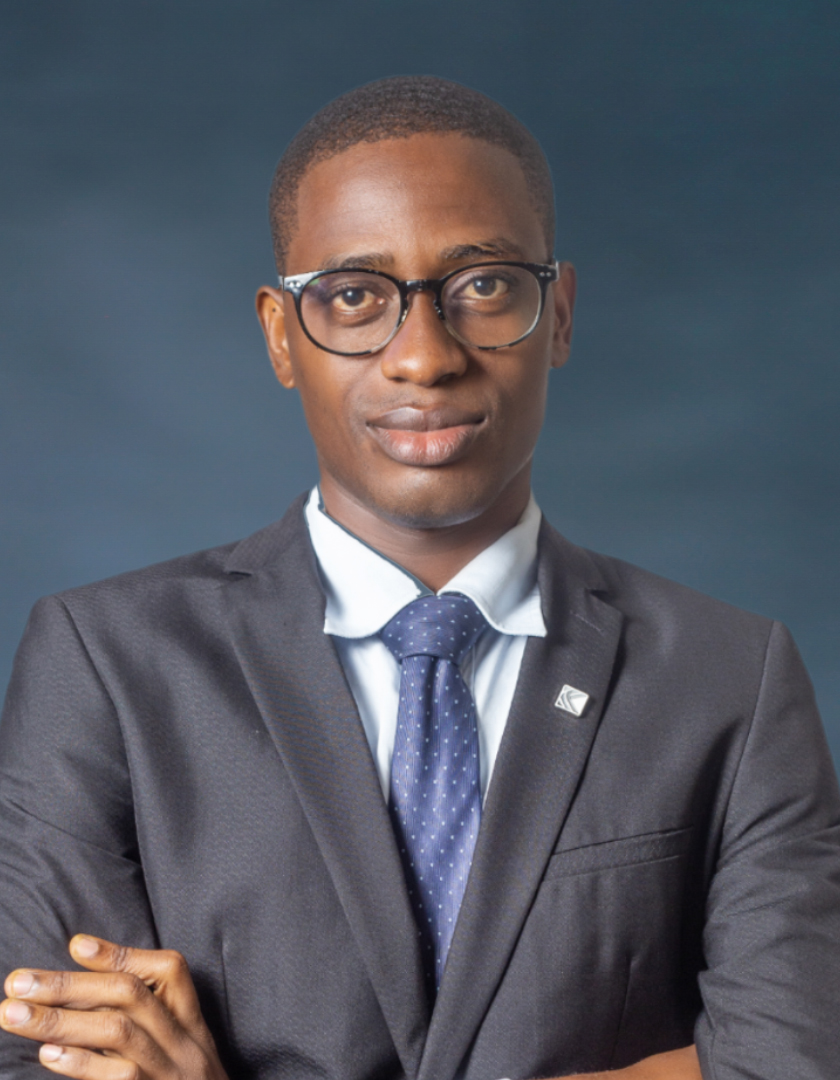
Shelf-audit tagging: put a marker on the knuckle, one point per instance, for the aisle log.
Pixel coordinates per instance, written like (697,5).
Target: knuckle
(119,1028)
(132,989)
(49,1021)
(130,1071)
(60,985)
(175,962)
(120,956)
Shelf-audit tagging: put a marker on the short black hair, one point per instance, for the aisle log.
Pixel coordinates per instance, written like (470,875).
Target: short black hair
(396,108)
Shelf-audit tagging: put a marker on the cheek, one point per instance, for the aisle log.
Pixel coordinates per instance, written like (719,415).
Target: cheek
(329,394)
(524,401)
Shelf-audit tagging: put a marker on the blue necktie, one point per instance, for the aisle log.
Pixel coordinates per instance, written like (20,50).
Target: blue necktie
(435,798)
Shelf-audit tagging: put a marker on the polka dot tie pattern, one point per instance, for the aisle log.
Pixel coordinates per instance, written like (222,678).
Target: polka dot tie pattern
(435,797)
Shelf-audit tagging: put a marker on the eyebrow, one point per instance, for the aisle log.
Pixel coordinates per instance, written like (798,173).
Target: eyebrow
(369,260)
(498,247)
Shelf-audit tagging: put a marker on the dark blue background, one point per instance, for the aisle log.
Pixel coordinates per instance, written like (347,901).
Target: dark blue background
(696,148)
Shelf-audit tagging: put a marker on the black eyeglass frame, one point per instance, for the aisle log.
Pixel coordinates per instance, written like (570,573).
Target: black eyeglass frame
(545,273)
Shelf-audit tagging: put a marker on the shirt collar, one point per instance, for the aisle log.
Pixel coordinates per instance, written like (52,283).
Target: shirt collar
(364,589)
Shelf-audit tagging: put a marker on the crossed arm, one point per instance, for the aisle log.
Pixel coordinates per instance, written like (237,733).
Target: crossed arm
(134,1015)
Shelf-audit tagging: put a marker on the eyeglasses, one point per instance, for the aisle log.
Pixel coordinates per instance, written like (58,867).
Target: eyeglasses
(357,312)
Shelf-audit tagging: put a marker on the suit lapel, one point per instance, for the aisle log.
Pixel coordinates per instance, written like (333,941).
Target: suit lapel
(537,772)
(275,609)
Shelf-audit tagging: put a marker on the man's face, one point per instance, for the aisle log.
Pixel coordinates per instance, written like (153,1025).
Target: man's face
(426,432)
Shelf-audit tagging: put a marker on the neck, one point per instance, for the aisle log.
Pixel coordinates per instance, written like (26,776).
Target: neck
(432,555)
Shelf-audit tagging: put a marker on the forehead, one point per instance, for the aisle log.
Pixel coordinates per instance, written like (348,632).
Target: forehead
(410,199)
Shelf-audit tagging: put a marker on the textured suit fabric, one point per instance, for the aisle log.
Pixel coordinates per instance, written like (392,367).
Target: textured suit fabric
(182,764)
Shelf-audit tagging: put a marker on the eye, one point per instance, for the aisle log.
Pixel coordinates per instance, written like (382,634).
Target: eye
(352,299)
(351,295)
(484,287)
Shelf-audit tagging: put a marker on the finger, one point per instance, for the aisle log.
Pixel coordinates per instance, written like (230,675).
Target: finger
(84,1065)
(80,989)
(106,1030)
(164,971)
(74,990)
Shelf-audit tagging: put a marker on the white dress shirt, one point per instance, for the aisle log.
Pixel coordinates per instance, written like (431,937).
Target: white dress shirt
(365,590)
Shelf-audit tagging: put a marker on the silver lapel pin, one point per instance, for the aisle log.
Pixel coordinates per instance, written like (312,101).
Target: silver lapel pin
(571,700)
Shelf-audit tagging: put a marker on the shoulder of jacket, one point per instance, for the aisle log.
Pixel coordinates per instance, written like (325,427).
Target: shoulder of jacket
(644,595)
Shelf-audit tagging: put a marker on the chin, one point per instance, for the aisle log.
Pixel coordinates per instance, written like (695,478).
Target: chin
(433,505)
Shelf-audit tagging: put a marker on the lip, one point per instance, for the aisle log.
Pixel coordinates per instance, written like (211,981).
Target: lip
(426,437)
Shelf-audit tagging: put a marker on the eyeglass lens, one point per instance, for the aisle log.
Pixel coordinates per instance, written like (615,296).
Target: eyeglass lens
(351,311)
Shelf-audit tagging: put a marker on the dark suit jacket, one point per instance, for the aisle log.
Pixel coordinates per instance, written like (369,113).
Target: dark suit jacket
(183,765)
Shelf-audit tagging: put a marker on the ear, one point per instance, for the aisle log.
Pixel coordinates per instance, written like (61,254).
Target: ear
(271,312)
(564,291)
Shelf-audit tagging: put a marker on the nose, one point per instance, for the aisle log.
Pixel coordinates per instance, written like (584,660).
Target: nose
(423,351)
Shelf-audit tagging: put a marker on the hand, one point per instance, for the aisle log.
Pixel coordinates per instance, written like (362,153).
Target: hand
(674,1065)
(133,1016)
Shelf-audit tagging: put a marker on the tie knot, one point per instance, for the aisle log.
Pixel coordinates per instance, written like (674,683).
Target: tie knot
(443,626)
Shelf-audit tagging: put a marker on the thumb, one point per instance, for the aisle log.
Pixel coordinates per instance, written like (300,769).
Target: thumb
(164,971)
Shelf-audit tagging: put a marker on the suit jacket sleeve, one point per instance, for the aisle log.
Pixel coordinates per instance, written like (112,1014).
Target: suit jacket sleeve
(771,989)
(68,849)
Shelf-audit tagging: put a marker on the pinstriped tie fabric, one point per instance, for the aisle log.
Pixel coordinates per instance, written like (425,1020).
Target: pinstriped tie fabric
(435,797)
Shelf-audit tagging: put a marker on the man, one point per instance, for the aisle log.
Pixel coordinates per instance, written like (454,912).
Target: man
(413,785)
